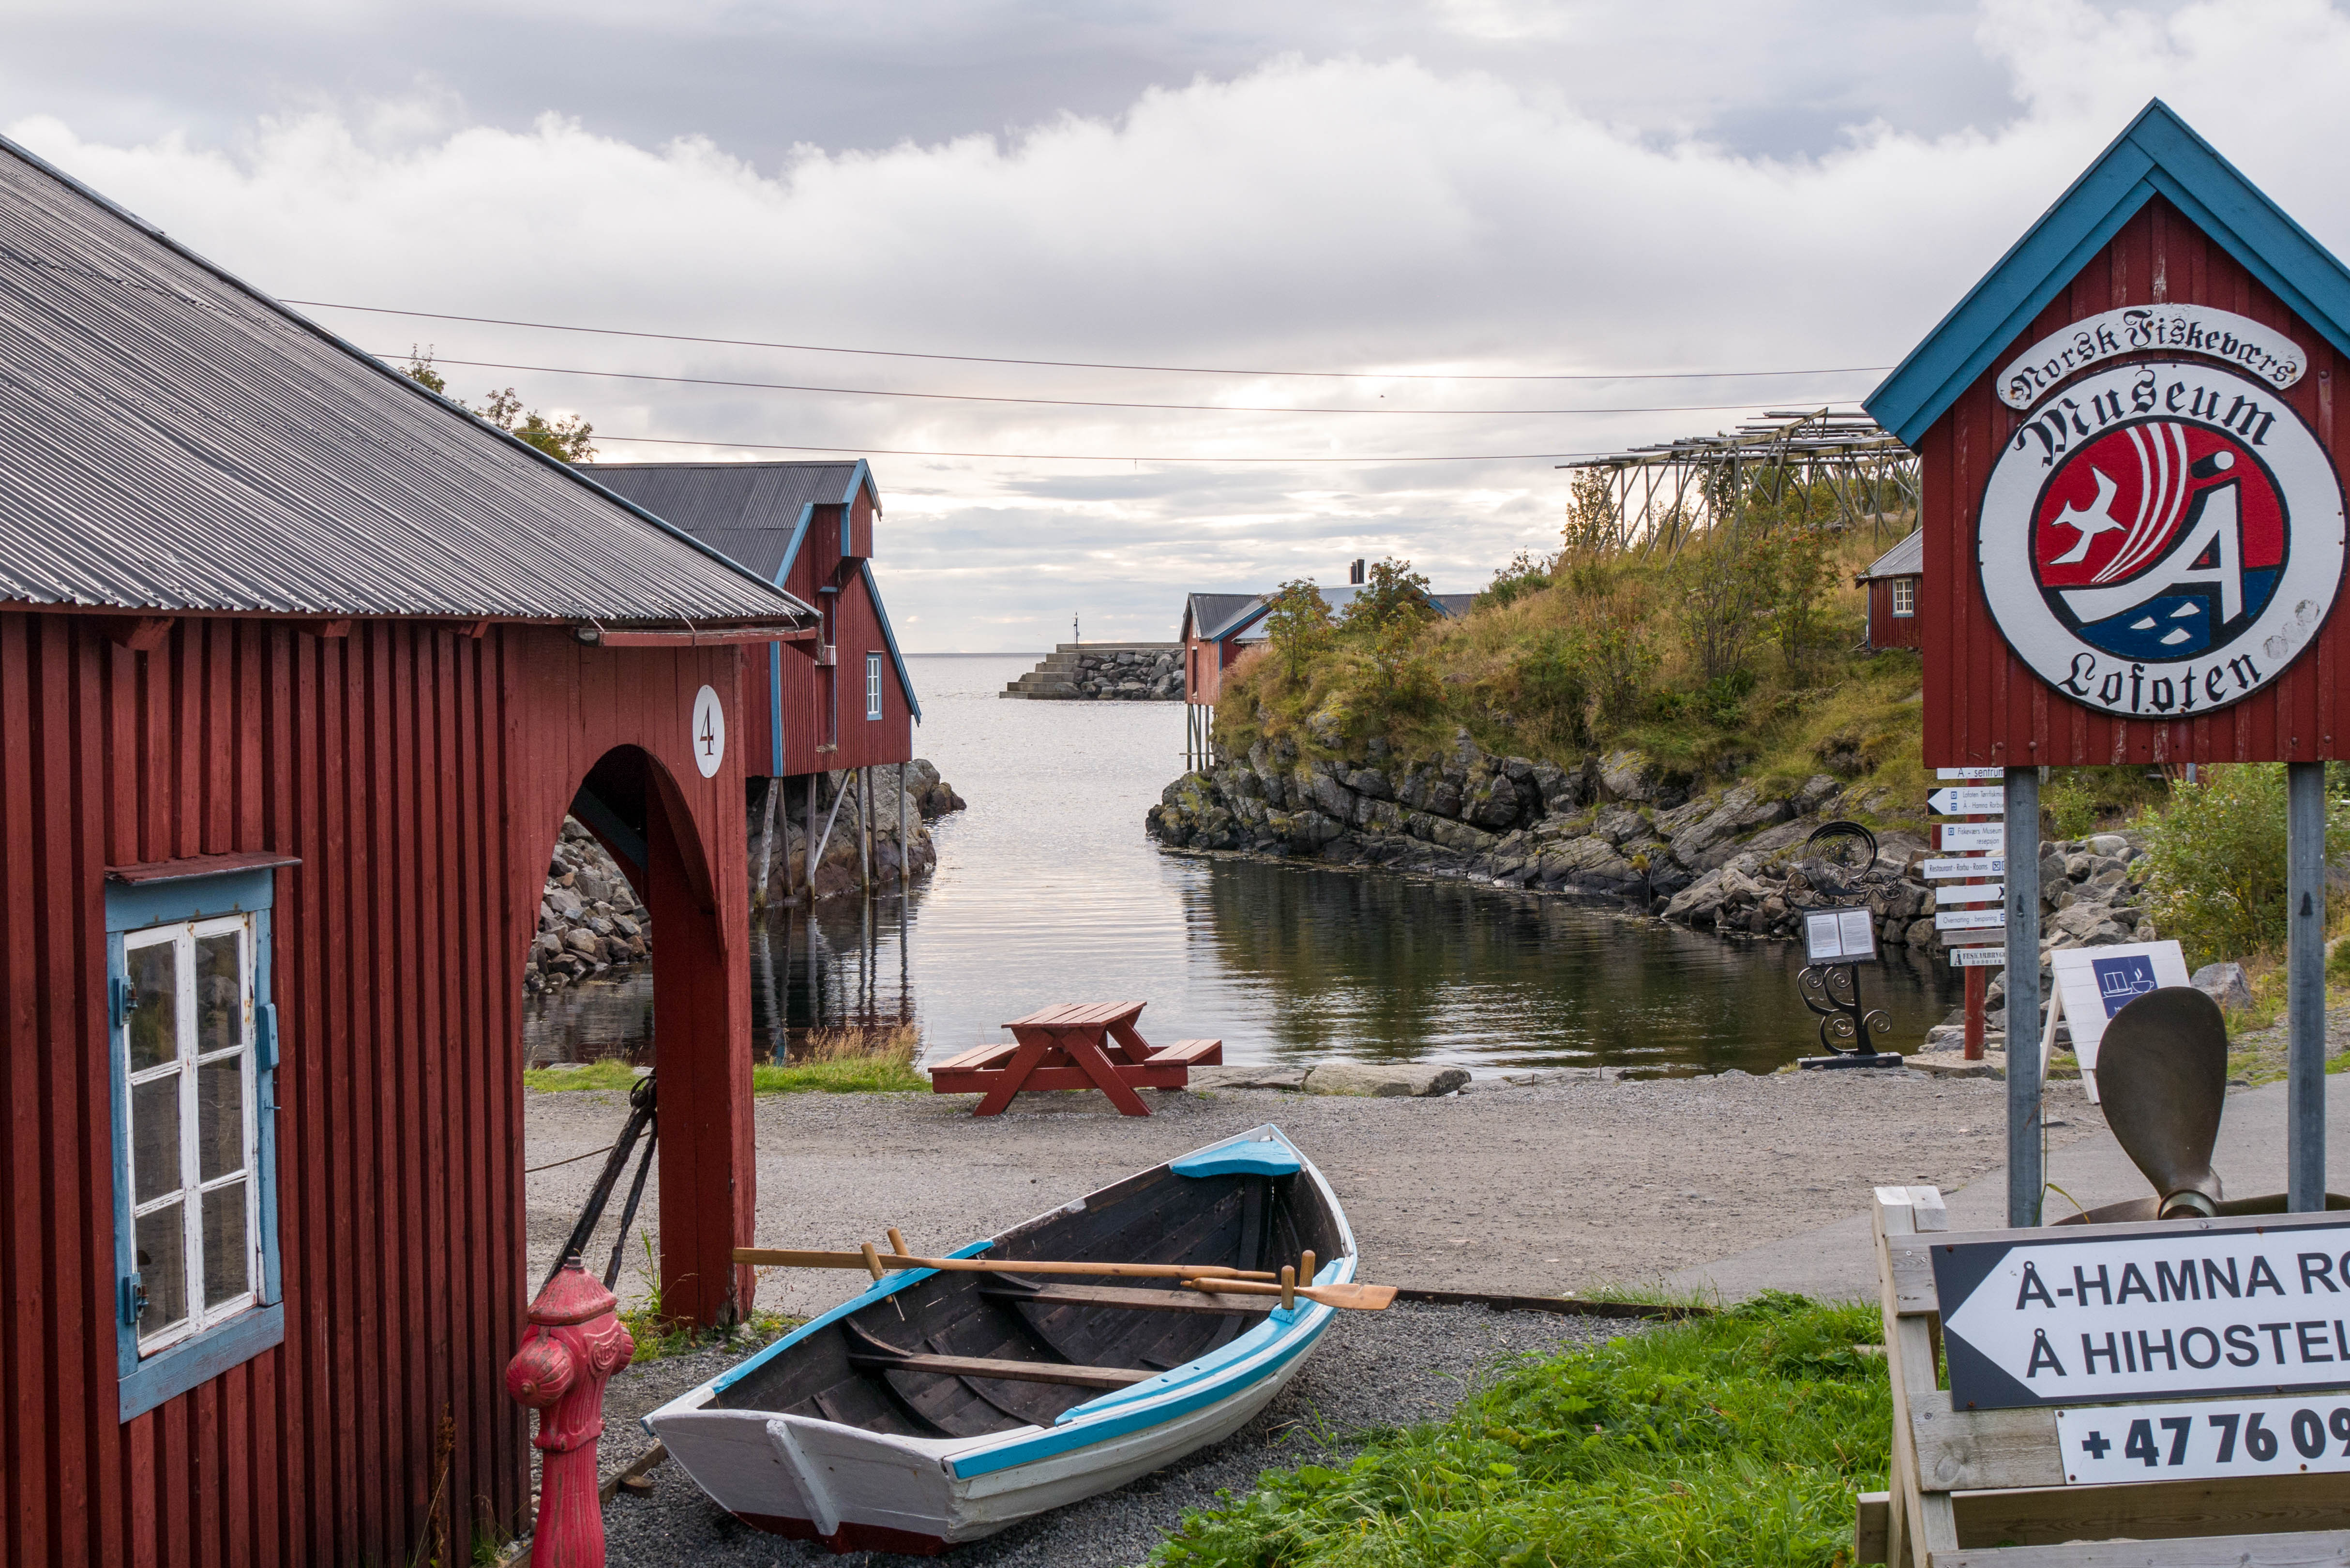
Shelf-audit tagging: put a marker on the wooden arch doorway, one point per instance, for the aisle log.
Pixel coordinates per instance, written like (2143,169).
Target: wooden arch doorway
(702,1036)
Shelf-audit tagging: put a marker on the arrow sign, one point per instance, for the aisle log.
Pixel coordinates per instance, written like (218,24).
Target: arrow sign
(1973,835)
(1947,773)
(2217,1306)
(1969,919)
(1970,865)
(1970,893)
(1967,802)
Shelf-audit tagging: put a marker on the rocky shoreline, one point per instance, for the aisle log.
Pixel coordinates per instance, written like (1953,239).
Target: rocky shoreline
(1730,859)
(1110,672)
(591,922)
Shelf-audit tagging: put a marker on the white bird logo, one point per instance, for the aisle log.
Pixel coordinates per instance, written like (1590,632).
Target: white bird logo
(2097,519)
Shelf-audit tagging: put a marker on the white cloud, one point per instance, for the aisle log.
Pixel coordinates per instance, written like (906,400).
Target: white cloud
(1309,211)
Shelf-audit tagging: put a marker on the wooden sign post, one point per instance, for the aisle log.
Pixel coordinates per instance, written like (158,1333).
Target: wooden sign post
(2134,535)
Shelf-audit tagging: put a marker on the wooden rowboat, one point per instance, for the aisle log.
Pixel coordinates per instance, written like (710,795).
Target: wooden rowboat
(941,1406)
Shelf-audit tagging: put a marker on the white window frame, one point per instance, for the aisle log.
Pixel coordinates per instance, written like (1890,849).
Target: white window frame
(1905,598)
(872,686)
(191,1186)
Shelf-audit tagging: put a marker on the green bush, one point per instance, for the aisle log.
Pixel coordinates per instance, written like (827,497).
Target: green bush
(1737,1439)
(2215,860)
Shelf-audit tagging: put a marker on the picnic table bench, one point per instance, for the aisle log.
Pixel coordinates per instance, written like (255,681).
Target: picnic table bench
(1075,1046)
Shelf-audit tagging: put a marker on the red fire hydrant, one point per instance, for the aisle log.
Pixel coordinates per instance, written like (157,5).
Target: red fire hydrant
(574,1345)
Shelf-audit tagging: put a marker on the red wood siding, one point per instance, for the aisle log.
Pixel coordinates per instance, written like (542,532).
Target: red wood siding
(1886,630)
(1212,659)
(420,775)
(1983,706)
(813,741)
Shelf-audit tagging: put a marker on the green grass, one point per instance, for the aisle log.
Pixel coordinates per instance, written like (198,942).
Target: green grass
(850,1076)
(1713,1442)
(840,1061)
(608,1073)
(658,1341)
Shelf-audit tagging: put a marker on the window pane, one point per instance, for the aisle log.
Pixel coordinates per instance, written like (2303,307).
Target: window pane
(227,1270)
(220,1117)
(155,1138)
(162,1243)
(220,991)
(155,999)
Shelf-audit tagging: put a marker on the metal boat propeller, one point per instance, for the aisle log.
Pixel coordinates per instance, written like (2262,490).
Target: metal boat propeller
(2162,1071)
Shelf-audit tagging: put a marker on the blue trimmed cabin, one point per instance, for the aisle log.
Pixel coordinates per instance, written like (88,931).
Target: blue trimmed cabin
(1218,629)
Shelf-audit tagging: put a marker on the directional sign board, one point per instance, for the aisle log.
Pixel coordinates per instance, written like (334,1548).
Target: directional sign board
(1969,919)
(1970,893)
(1963,836)
(1978,957)
(2192,1309)
(1969,866)
(1966,801)
(1946,775)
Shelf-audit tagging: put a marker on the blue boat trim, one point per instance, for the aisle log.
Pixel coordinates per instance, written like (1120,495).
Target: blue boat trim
(1258,1157)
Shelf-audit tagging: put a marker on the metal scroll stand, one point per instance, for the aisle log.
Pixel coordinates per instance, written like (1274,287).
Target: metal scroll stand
(1838,940)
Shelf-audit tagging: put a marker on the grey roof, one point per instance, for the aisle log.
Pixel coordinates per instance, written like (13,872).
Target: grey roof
(172,440)
(746,512)
(1906,559)
(1210,613)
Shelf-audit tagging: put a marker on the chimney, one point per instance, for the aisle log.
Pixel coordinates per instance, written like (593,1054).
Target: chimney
(1355,573)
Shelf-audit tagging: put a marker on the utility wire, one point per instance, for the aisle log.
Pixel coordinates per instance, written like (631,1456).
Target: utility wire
(1089,364)
(589,468)
(1060,402)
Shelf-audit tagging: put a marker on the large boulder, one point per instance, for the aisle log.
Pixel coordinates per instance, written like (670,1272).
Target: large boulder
(2224,984)
(1584,860)
(1491,801)
(1628,776)
(1384,1082)
(1616,825)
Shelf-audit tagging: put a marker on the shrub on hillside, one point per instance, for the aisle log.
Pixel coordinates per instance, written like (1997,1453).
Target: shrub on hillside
(2215,860)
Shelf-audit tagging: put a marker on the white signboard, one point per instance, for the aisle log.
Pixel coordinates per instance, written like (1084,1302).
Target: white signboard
(1965,801)
(1969,919)
(1973,866)
(1964,835)
(1948,774)
(1978,957)
(709,731)
(1839,936)
(2161,539)
(2258,1308)
(1970,893)
(2184,329)
(2105,1444)
(2092,984)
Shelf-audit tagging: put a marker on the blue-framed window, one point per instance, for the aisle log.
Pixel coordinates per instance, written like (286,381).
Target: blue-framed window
(873,686)
(193,1044)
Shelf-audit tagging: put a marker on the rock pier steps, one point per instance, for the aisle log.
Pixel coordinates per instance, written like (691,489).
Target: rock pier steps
(1111,671)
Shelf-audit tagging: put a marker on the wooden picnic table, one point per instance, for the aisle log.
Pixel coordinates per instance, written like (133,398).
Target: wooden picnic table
(1075,1046)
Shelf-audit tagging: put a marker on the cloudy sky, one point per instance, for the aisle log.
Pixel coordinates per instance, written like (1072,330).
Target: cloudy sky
(1416,193)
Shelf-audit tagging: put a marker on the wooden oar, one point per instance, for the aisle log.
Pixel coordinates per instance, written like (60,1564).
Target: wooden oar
(767,1257)
(1361,1298)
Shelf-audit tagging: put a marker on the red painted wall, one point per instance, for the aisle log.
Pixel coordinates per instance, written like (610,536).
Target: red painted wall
(1983,706)
(814,741)
(1212,659)
(420,775)
(1886,630)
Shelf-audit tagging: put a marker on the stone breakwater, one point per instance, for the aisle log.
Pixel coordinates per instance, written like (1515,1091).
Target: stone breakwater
(591,922)
(1105,672)
(1730,860)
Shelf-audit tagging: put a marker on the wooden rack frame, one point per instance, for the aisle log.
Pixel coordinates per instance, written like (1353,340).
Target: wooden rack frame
(1985,1489)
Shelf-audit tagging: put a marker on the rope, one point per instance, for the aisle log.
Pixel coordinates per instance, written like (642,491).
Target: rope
(550,1165)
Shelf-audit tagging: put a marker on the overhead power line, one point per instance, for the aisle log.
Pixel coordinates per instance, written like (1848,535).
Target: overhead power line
(1060,402)
(1091,364)
(589,468)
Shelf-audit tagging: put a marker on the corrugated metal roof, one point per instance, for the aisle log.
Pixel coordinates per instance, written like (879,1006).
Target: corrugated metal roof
(1906,559)
(1210,613)
(1219,616)
(747,512)
(172,440)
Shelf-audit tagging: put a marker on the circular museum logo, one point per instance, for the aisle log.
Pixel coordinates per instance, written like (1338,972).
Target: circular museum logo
(2161,539)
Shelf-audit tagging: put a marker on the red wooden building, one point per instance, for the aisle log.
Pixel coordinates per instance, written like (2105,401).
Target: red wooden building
(2133,529)
(301,667)
(1892,581)
(844,700)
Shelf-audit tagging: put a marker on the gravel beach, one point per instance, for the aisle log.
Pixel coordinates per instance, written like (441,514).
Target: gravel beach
(1575,1183)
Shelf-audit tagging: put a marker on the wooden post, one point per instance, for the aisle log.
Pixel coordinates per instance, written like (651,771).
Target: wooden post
(865,830)
(766,845)
(812,780)
(1977,989)
(905,845)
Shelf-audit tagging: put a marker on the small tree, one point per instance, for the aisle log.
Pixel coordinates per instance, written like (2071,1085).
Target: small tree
(1392,594)
(1298,625)
(2215,860)
(1798,566)
(1721,584)
(568,439)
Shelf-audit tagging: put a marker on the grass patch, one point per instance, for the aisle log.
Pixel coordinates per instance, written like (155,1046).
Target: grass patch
(1720,1441)
(835,1062)
(658,1340)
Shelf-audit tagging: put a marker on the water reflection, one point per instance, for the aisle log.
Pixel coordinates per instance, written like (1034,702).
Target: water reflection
(1048,891)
